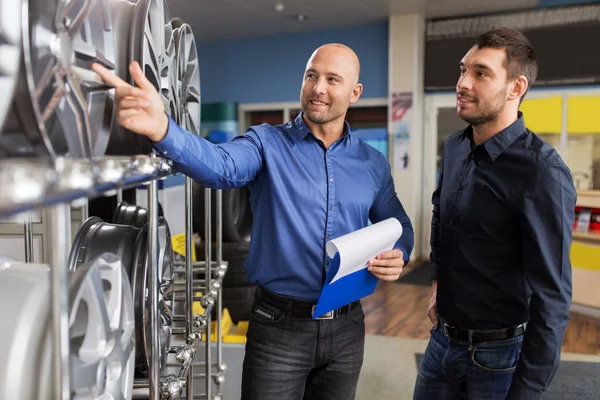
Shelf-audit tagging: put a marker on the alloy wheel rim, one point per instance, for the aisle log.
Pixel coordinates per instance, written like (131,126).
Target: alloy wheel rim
(101,331)
(61,39)
(188,79)
(10,53)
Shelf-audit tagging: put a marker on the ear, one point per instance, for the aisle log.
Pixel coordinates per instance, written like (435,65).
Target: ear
(356,92)
(519,87)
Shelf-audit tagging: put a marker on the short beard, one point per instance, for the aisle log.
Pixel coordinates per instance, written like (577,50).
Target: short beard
(477,120)
(321,119)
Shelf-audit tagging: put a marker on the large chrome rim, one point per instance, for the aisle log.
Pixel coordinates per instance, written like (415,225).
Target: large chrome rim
(24,290)
(101,330)
(130,245)
(146,36)
(157,49)
(141,282)
(10,52)
(188,77)
(61,108)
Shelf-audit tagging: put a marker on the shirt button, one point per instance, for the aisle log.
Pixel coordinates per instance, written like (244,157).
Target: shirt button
(330,179)
(331,207)
(328,236)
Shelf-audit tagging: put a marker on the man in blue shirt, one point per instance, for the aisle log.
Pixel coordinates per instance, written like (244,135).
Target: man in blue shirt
(310,180)
(501,236)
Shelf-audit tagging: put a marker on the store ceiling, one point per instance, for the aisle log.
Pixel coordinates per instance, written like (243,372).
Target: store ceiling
(218,20)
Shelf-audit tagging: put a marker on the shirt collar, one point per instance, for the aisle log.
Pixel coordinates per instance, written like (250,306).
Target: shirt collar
(301,129)
(496,145)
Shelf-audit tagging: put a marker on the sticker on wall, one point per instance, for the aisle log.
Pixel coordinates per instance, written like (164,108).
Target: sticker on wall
(402,103)
(402,107)
(401,148)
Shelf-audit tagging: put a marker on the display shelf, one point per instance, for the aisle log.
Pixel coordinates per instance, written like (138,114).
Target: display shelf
(587,236)
(33,183)
(588,198)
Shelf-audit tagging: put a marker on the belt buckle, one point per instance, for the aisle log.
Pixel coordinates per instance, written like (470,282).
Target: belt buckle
(328,315)
(445,327)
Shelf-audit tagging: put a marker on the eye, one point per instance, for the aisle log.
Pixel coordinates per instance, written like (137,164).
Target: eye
(481,74)
(462,71)
(331,79)
(310,75)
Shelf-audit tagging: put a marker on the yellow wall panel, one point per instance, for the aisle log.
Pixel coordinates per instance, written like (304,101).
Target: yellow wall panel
(543,115)
(583,115)
(585,256)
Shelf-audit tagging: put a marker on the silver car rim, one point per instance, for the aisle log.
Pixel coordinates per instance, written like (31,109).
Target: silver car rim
(188,77)
(101,330)
(10,52)
(96,237)
(146,36)
(140,281)
(157,49)
(71,116)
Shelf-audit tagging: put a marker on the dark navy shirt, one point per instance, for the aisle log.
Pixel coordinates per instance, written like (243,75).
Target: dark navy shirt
(501,238)
(301,194)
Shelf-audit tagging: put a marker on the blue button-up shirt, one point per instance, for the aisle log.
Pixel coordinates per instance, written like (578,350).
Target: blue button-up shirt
(301,194)
(501,236)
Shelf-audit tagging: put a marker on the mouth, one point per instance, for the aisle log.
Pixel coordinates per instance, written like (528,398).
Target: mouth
(463,101)
(317,103)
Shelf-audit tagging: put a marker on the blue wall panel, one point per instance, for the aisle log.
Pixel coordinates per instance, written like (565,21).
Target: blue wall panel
(270,69)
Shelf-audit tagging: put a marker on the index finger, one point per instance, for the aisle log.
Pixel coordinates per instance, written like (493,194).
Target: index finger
(108,76)
(394,253)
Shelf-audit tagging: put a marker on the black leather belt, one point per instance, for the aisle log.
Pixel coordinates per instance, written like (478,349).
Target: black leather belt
(476,335)
(299,308)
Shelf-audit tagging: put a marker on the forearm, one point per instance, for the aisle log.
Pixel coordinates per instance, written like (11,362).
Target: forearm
(216,166)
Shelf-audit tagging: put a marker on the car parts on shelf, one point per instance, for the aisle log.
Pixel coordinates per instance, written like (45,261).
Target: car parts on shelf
(101,331)
(130,245)
(10,53)
(237,214)
(59,107)
(188,77)
(146,36)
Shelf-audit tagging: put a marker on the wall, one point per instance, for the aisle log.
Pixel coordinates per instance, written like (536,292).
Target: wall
(269,69)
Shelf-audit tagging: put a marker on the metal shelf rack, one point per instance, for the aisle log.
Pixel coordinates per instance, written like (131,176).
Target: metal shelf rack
(29,184)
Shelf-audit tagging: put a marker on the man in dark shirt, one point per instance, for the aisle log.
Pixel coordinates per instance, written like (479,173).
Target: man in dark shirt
(501,236)
(310,180)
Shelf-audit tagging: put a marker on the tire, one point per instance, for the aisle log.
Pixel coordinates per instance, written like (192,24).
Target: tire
(235,254)
(128,214)
(237,215)
(238,301)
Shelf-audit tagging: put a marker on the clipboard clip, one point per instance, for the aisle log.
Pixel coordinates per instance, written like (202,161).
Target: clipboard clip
(328,315)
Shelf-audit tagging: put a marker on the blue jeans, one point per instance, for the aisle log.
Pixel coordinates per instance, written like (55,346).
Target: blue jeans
(454,370)
(290,358)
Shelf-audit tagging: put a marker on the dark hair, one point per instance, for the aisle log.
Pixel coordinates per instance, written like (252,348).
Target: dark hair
(520,56)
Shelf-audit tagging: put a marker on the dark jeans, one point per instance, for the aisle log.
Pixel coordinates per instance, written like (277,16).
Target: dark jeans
(289,357)
(454,370)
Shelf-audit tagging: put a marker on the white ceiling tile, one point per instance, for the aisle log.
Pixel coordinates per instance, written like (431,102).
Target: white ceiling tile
(214,20)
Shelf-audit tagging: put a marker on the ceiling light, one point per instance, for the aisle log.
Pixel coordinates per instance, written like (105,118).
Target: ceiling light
(301,17)
(279,7)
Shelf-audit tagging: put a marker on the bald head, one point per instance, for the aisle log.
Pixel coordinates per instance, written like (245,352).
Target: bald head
(340,57)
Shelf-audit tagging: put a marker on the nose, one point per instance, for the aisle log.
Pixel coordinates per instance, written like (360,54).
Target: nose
(319,87)
(464,82)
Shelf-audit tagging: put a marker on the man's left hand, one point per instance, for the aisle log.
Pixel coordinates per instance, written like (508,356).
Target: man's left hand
(388,265)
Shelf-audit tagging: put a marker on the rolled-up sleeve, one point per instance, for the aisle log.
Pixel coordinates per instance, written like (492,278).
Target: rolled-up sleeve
(546,226)
(219,166)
